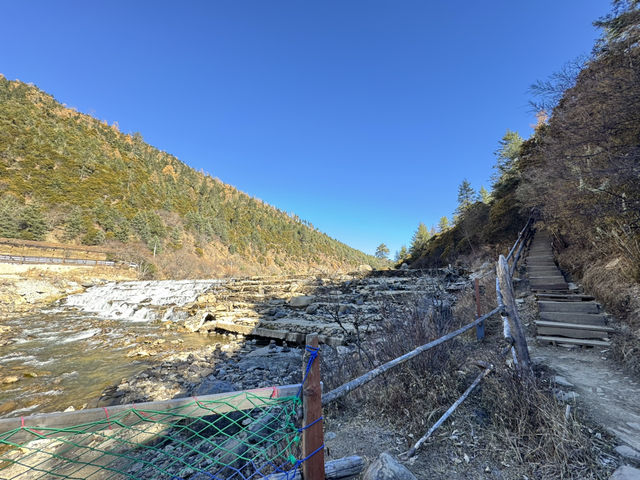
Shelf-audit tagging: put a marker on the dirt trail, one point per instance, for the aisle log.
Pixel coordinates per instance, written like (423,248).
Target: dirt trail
(610,398)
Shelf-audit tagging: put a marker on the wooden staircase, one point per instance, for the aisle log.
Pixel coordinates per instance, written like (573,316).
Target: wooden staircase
(565,317)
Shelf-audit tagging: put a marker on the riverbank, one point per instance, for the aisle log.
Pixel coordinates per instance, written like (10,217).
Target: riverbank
(27,288)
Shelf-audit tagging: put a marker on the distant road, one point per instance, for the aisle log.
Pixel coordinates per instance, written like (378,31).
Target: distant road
(55,260)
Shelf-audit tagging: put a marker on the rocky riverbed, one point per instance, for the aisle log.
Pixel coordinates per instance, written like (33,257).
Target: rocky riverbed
(238,365)
(268,319)
(166,339)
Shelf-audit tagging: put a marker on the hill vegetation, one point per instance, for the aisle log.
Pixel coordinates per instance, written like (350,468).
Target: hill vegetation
(580,171)
(68,177)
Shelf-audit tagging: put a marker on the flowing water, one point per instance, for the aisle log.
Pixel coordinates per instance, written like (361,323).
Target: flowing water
(68,355)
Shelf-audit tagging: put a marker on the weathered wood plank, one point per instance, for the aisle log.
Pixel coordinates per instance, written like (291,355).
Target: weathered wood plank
(412,451)
(333,470)
(565,297)
(344,389)
(595,328)
(505,296)
(61,420)
(573,341)
(574,307)
(291,337)
(556,331)
(579,318)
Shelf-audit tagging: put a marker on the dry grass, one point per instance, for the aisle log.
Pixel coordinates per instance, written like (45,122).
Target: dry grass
(529,425)
(608,281)
(519,426)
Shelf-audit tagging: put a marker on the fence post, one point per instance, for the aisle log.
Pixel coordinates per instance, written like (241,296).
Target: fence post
(480,326)
(313,435)
(505,290)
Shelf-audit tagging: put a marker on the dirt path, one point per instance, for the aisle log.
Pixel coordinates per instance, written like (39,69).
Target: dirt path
(610,398)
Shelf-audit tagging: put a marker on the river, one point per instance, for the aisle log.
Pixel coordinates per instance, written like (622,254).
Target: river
(66,356)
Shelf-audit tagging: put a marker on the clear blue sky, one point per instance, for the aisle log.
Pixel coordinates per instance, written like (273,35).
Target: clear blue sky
(361,116)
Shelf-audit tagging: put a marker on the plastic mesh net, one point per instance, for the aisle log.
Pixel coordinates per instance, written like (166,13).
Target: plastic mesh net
(242,436)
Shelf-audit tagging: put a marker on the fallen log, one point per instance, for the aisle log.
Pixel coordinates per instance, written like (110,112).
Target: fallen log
(333,470)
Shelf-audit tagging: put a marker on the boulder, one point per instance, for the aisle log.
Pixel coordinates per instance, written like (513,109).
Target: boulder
(365,268)
(387,468)
(194,322)
(301,301)
(211,385)
(626,473)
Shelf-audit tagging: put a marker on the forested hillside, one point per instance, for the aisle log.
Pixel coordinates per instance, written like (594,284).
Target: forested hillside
(580,171)
(68,177)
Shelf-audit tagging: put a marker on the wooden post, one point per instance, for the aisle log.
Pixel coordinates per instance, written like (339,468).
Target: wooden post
(313,436)
(480,326)
(506,290)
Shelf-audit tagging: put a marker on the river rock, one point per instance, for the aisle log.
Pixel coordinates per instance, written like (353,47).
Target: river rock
(9,379)
(272,360)
(301,301)
(387,468)
(211,385)
(628,453)
(311,309)
(626,473)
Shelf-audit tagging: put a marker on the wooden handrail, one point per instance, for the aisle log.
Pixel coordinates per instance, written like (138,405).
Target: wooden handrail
(522,232)
(342,390)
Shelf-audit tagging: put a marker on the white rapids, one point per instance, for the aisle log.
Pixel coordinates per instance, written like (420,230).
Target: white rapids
(140,301)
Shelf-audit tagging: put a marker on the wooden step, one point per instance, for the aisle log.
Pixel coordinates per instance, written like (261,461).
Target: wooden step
(543,273)
(540,264)
(577,318)
(575,307)
(550,285)
(531,274)
(575,326)
(537,258)
(573,341)
(565,297)
(571,330)
(558,288)
(546,278)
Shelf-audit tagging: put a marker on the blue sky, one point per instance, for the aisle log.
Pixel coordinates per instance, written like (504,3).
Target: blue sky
(361,117)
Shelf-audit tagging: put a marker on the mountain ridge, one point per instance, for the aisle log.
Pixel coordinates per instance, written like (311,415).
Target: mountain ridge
(67,176)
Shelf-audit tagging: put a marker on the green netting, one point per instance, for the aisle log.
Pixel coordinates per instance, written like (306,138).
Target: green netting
(242,436)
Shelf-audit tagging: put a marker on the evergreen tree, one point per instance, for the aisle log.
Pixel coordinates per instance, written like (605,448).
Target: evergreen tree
(31,223)
(419,240)
(466,197)
(506,158)
(443,224)
(382,251)
(401,254)
(10,209)
(484,195)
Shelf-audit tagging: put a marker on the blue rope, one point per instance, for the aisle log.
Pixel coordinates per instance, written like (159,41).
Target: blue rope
(313,354)
(308,425)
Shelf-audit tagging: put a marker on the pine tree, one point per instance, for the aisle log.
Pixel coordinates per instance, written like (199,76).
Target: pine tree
(382,251)
(419,240)
(466,197)
(443,224)
(484,195)
(31,223)
(402,254)
(10,210)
